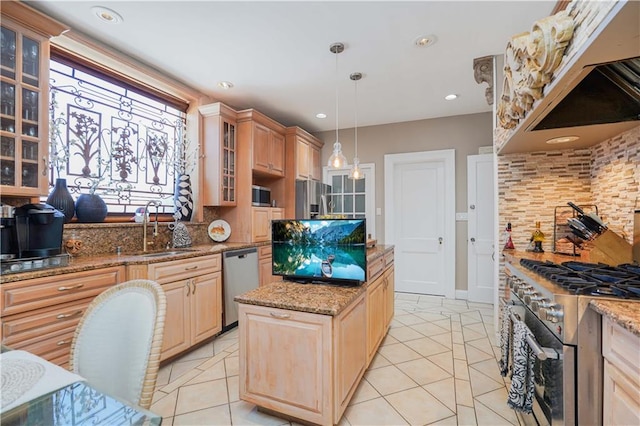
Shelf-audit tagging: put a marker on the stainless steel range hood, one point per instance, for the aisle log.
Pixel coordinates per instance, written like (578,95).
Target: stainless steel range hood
(597,94)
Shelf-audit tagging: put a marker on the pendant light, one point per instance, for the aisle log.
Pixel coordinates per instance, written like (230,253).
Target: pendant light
(337,160)
(355,172)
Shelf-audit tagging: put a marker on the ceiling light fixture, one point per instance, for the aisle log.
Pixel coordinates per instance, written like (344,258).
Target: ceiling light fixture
(321,115)
(563,139)
(451,97)
(337,160)
(107,15)
(426,40)
(355,172)
(225,85)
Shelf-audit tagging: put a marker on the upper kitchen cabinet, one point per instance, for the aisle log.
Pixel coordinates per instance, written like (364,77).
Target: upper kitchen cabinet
(304,150)
(220,155)
(267,142)
(24,90)
(576,88)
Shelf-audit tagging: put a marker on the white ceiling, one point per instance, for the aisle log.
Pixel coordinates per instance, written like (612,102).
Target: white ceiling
(277,53)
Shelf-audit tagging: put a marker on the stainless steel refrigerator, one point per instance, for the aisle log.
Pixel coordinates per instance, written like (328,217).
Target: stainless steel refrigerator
(312,199)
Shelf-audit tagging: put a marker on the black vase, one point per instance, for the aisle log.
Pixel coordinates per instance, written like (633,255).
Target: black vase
(182,198)
(61,199)
(90,208)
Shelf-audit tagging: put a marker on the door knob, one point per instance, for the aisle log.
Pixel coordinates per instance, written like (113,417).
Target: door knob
(473,240)
(472,206)
(440,240)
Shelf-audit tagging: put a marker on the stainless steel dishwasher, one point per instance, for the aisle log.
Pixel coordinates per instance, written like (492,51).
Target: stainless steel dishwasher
(239,275)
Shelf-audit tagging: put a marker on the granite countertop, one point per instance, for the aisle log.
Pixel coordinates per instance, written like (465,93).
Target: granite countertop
(89,263)
(514,256)
(313,298)
(625,313)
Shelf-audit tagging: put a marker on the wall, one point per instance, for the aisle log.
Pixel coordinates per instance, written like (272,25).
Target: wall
(530,185)
(464,133)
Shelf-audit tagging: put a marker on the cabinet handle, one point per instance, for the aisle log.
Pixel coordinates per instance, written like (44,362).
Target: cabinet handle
(72,314)
(193,283)
(45,164)
(191,268)
(280,316)
(73,287)
(63,342)
(188,288)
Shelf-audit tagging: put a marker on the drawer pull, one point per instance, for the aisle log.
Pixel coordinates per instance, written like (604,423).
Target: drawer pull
(73,287)
(280,316)
(63,342)
(191,268)
(72,314)
(188,288)
(193,282)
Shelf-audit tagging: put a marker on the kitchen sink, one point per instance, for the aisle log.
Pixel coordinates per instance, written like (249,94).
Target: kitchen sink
(167,253)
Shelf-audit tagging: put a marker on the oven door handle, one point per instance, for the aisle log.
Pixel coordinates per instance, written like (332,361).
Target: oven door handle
(540,351)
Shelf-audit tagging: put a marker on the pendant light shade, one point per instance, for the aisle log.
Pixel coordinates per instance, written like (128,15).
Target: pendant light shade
(355,172)
(337,160)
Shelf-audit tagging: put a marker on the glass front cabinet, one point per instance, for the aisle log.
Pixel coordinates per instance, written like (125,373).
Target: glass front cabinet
(24,100)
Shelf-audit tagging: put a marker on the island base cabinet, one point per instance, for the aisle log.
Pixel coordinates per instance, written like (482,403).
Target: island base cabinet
(303,365)
(285,361)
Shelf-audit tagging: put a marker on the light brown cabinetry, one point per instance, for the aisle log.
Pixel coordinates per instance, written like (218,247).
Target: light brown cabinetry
(24,90)
(315,381)
(621,351)
(303,160)
(40,315)
(267,142)
(380,300)
(193,288)
(219,155)
(264,266)
(261,218)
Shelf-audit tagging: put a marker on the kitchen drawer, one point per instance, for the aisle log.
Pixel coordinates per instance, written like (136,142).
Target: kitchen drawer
(175,270)
(264,251)
(388,258)
(622,349)
(375,268)
(27,295)
(54,348)
(42,322)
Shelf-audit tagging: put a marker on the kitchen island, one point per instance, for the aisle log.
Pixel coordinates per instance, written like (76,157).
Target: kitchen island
(303,348)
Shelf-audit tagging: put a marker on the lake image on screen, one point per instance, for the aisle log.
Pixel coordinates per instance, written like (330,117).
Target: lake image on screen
(326,250)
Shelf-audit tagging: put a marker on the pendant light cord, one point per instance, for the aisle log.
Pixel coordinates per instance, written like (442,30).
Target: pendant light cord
(336,78)
(356,130)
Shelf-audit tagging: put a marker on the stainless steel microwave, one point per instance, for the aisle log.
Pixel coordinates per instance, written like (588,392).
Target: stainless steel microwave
(260,196)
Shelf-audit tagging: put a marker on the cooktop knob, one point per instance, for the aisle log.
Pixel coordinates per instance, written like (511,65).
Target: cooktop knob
(523,288)
(552,314)
(539,303)
(530,295)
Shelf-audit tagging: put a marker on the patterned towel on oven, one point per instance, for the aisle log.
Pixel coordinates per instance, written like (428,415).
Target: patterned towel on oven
(505,340)
(521,392)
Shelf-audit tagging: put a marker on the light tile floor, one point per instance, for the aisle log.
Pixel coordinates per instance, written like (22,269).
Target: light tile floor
(437,365)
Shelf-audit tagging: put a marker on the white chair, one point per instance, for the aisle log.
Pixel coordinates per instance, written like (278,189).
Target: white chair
(116,346)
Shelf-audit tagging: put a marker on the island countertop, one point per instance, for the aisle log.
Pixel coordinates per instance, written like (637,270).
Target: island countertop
(326,299)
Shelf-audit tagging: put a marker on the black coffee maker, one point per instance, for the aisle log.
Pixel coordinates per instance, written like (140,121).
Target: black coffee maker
(38,230)
(8,236)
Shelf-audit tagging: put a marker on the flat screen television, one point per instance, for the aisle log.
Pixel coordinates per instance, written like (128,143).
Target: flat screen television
(330,251)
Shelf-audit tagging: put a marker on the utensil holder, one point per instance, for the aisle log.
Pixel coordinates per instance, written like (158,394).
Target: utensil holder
(610,248)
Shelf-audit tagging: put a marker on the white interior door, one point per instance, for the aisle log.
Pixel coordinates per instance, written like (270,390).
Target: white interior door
(481,248)
(420,220)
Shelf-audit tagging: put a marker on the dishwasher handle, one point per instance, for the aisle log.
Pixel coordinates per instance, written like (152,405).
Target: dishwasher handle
(240,254)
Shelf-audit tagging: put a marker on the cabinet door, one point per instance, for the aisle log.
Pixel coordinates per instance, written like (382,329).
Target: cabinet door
(23,112)
(315,164)
(302,159)
(296,382)
(350,354)
(389,296)
(261,148)
(277,154)
(375,315)
(176,336)
(260,224)
(277,214)
(206,306)
(621,403)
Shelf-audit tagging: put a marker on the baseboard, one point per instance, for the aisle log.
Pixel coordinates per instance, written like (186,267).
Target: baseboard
(461,294)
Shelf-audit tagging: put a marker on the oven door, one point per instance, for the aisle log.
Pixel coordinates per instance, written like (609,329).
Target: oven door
(549,375)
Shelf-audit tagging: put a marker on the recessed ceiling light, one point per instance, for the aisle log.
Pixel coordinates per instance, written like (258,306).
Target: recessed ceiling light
(563,139)
(425,40)
(225,84)
(107,15)
(451,97)
(321,115)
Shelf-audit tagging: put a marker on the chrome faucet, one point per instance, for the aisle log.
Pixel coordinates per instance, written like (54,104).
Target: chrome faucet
(145,222)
